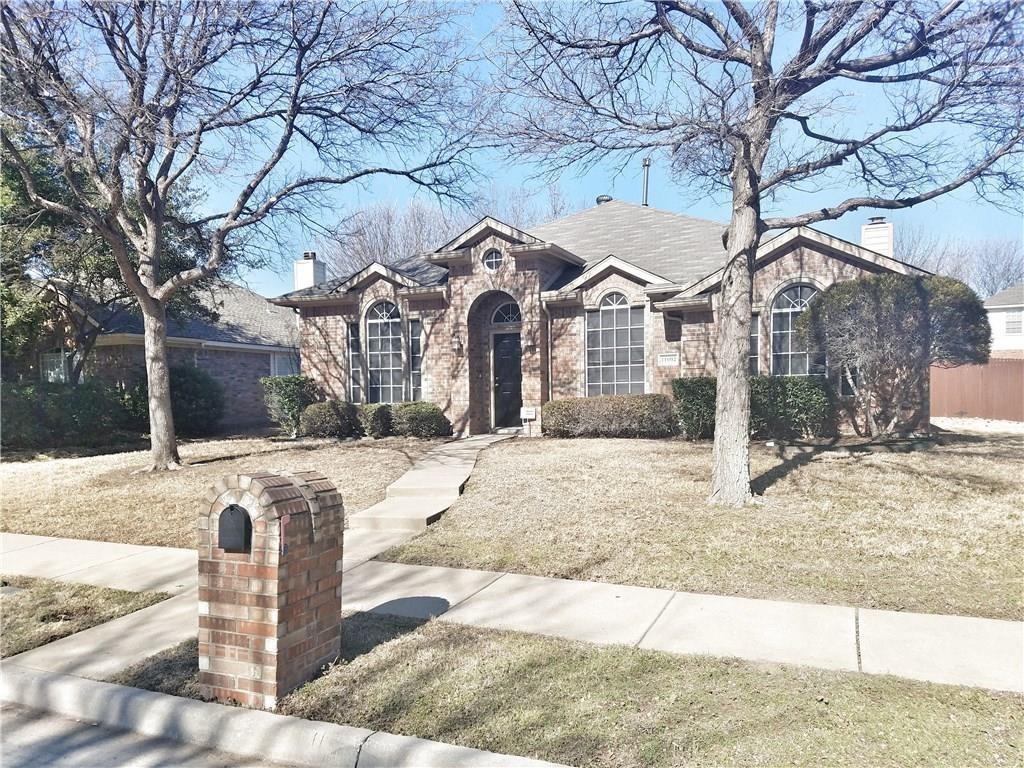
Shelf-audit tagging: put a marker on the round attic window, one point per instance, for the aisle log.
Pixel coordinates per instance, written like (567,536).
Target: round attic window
(492,259)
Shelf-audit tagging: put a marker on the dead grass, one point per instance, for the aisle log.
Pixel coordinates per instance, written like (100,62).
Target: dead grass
(616,707)
(102,497)
(49,610)
(935,531)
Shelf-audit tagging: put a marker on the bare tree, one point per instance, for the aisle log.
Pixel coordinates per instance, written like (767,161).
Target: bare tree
(390,233)
(988,265)
(269,106)
(884,103)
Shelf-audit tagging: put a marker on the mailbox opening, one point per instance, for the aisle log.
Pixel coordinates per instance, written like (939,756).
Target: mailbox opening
(234,530)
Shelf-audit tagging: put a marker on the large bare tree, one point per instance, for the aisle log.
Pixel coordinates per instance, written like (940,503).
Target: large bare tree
(988,264)
(267,105)
(874,103)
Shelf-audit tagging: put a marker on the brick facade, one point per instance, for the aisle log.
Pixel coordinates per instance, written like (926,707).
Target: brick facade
(457,328)
(237,370)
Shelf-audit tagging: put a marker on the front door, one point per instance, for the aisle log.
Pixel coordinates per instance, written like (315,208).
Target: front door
(508,379)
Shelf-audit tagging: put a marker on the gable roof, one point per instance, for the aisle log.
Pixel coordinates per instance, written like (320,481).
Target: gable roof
(1008,297)
(411,272)
(242,317)
(679,248)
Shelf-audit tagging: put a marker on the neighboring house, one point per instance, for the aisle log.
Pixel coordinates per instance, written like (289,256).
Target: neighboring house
(250,338)
(1006,316)
(614,299)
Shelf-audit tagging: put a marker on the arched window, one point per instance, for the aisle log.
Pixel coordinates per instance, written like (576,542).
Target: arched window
(615,348)
(492,259)
(507,313)
(790,355)
(384,354)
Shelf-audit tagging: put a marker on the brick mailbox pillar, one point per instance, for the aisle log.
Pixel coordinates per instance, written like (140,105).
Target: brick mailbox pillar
(269,585)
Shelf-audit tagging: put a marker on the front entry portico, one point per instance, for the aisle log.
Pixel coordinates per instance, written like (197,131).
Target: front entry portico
(495,362)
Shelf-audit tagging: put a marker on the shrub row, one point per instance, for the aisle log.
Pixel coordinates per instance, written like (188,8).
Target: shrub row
(610,416)
(93,414)
(780,406)
(339,419)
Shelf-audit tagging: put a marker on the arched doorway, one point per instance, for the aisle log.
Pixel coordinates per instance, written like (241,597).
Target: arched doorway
(495,350)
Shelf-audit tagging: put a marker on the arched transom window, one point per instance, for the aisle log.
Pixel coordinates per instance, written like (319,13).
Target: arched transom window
(615,348)
(507,313)
(384,354)
(790,355)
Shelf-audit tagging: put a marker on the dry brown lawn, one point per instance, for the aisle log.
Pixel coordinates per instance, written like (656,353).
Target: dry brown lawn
(106,498)
(619,707)
(46,610)
(936,531)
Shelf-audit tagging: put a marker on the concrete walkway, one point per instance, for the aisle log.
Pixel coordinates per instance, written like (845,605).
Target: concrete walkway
(958,650)
(422,494)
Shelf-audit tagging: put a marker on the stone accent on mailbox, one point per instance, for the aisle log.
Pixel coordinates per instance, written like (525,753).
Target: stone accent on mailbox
(270,547)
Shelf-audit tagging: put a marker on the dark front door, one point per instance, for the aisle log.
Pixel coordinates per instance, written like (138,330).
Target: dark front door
(508,379)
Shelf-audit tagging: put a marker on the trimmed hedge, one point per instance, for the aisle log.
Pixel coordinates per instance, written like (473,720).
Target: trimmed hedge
(376,419)
(780,406)
(197,402)
(419,419)
(53,415)
(330,419)
(287,397)
(648,416)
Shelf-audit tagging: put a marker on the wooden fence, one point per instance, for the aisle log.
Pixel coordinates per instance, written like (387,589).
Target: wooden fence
(991,391)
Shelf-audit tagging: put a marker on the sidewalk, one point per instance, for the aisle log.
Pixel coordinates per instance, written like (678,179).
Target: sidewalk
(958,650)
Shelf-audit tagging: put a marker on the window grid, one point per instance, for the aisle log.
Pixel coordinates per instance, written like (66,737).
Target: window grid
(284,364)
(753,361)
(355,364)
(492,259)
(384,354)
(416,359)
(790,357)
(507,313)
(615,348)
(53,367)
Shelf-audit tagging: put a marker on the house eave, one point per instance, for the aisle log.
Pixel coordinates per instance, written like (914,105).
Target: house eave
(123,339)
(683,305)
(547,249)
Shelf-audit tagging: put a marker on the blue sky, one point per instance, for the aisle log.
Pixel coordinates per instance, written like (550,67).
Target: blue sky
(960,214)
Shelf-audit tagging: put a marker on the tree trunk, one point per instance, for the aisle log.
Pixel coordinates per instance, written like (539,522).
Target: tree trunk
(730,473)
(163,443)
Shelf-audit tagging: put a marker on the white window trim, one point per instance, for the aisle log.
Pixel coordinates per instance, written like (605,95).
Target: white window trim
(586,347)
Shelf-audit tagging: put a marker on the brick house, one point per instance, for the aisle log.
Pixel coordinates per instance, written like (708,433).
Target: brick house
(245,338)
(614,299)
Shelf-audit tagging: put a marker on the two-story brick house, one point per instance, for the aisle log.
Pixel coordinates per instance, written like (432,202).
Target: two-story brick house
(614,299)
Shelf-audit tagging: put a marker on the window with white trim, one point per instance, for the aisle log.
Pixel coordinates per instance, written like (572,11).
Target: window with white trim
(284,363)
(615,348)
(355,365)
(386,382)
(1014,323)
(492,259)
(53,367)
(415,360)
(507,313)
(753,361)
(790,355)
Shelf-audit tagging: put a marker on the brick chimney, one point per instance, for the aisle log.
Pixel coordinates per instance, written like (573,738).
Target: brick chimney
(309,271)
(877,236)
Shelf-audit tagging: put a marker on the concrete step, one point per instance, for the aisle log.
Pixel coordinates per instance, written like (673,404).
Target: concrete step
(438,482)
(402,514)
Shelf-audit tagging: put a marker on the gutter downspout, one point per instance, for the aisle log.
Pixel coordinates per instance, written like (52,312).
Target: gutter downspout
(547,313)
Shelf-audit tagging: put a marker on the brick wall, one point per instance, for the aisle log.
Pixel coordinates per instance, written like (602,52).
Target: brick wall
(238,372)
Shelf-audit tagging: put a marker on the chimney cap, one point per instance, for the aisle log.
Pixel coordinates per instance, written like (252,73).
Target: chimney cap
(876,220)
(309,255)
(604,199)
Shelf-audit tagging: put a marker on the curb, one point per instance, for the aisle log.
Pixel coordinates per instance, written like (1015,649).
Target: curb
(245,732)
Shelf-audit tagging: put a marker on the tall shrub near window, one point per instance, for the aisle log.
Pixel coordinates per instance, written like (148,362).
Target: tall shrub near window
(889,330)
